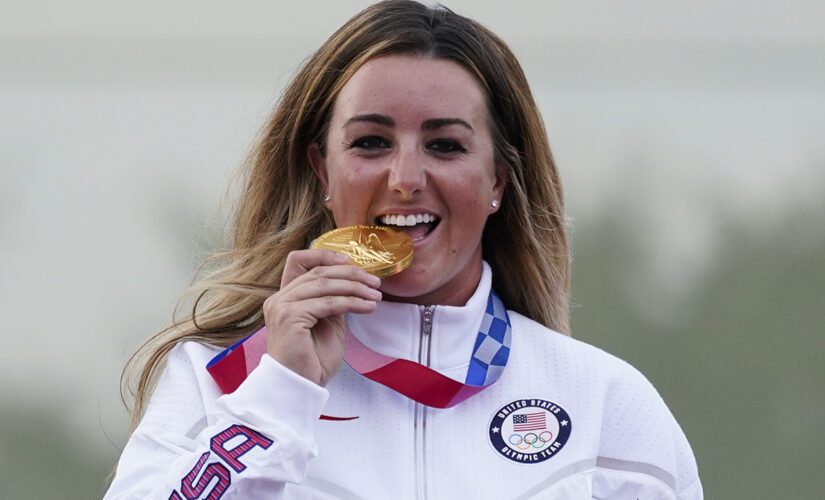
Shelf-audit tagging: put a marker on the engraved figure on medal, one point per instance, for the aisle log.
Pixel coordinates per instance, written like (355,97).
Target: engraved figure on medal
(370,252)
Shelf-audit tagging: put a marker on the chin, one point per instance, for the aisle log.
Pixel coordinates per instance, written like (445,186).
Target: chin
(404,287)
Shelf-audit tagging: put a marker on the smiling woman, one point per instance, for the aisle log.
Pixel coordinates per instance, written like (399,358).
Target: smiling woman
(457,370)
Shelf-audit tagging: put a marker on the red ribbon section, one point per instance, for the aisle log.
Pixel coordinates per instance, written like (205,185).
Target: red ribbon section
(418,382)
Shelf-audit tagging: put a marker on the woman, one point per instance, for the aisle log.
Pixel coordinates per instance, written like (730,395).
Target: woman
(420,119)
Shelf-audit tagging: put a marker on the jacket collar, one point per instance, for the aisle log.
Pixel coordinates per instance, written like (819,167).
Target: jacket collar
(395,329)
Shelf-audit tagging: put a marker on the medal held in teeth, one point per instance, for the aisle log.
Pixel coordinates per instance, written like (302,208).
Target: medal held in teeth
(378,250)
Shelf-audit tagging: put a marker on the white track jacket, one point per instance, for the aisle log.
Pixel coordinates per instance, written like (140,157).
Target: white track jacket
(565,421)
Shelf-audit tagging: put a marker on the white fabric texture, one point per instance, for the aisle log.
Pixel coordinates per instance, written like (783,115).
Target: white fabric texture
(624,443)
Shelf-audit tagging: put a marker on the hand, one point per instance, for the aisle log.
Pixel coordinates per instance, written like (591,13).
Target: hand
(305,318)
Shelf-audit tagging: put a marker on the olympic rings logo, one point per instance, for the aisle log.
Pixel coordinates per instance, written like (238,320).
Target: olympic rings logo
(529,431)
(530,440)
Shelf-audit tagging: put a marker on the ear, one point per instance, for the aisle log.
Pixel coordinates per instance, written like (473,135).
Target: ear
(502,176)
(318,164)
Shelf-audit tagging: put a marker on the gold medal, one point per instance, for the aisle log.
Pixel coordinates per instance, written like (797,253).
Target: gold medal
(378,250)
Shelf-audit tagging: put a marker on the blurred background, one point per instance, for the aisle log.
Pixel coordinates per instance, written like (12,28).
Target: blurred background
(690,137)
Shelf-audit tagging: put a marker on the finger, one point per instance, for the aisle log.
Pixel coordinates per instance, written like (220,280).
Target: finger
(341,272)
(333,305)
(299,262)
(323,286)
(305,314)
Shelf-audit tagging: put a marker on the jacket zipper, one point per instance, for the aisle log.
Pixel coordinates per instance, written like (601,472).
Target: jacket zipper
(420,422)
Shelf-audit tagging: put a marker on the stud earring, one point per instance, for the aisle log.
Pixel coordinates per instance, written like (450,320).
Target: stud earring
(327,197)
(494,203)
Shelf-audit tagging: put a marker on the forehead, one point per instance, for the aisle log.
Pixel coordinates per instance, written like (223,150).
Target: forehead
(411,85)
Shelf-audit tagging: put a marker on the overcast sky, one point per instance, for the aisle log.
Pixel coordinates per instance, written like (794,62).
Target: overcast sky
(795,20)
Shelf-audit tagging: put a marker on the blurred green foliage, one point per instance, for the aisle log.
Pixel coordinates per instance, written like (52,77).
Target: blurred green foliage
(41,458)
(741,366)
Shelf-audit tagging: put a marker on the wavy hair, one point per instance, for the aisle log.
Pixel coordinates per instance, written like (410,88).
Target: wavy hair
(280,207)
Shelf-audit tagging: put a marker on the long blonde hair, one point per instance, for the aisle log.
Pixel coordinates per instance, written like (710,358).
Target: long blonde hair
(280,208)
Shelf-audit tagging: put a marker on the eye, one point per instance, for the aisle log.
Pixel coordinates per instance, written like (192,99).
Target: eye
(370,143)
(445,146)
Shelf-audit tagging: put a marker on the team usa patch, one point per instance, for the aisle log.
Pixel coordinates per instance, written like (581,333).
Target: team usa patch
(240,440)
(530,431)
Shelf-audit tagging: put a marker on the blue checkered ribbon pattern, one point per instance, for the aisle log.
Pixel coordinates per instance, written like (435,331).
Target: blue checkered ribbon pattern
(492,347)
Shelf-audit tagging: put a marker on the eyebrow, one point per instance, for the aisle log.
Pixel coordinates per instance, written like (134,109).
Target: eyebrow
(431,124)
(373,118)
(437,123)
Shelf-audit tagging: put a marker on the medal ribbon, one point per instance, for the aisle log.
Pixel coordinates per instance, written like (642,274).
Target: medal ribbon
(416,381)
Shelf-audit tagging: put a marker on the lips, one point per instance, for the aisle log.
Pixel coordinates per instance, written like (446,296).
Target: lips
(417,226)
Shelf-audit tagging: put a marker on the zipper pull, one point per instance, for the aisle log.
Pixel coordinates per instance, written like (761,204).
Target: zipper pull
(427,325)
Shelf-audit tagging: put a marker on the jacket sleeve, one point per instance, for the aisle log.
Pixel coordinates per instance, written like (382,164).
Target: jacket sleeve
(643,451)
(194,442)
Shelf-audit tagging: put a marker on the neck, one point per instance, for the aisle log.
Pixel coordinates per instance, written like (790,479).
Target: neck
(455,293)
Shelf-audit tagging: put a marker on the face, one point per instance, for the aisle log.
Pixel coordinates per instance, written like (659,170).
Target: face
(409,146)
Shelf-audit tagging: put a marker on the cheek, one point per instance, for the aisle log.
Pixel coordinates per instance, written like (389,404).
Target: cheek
(344,178)
(471,191)
(469,210)
(352,187)
(351,172)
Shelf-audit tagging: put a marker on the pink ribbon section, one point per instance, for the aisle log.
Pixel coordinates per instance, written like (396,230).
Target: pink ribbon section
(416,381)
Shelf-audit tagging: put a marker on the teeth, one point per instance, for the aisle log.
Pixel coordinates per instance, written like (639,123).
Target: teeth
(406,220)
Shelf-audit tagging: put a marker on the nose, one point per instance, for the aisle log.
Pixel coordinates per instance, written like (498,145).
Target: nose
(407,174)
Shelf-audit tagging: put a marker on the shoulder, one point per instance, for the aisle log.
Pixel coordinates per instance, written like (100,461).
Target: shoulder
(186,364)
(624,393)
(191,353)
(574,357)
(637,431)
(184,388)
